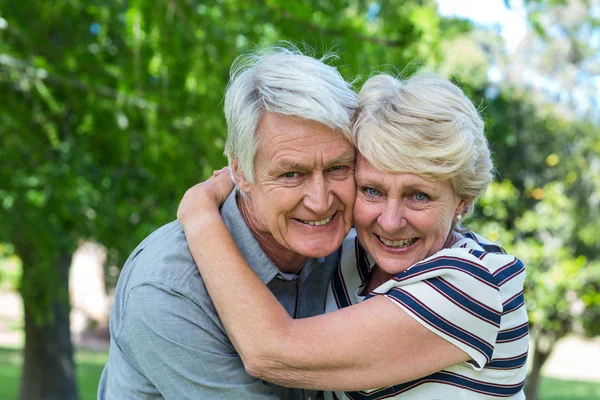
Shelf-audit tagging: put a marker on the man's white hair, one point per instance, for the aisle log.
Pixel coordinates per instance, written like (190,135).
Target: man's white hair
(424,125)
(282,80)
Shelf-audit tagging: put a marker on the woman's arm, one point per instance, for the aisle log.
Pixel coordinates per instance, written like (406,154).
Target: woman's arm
(371,344)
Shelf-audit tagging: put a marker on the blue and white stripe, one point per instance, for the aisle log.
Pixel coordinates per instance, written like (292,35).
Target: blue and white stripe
(469,295)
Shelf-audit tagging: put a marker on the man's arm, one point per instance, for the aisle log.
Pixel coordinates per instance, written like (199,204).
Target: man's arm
(182,350)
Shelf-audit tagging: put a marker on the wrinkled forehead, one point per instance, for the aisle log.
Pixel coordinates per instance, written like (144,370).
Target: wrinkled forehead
(276,131)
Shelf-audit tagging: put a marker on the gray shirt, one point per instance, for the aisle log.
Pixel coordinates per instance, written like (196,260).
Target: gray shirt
(166,339)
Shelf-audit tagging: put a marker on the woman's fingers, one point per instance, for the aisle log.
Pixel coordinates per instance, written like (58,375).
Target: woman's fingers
(223,185)
(220,171)
(207,195)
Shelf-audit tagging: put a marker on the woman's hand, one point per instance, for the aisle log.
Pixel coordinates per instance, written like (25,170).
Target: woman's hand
(201,202)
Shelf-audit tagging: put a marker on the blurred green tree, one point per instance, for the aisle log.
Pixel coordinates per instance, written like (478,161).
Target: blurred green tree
(542,123)
(559,57)
(110,110)
(542,209)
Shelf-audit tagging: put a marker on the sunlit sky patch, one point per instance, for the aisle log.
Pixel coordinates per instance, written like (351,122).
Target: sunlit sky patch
(510,23)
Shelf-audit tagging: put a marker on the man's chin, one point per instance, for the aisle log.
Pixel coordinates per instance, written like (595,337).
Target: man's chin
(316,250)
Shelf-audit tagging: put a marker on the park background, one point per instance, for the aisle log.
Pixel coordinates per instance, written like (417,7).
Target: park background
(111,109)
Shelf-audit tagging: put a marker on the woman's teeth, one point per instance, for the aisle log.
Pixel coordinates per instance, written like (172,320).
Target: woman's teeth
(397,243)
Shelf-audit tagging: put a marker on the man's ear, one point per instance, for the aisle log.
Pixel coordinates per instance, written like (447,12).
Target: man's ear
(238,176)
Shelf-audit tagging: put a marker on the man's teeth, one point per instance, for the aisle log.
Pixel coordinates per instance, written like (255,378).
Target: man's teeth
(317,223)
(397,243)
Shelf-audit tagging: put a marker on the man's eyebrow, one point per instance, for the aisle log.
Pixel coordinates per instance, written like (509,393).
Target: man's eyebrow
(346,158)
(293,165)
(288,164)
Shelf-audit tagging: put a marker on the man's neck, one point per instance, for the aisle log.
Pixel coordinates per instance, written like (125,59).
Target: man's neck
(284,259)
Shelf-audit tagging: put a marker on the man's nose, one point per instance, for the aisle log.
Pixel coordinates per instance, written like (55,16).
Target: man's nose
(318,198)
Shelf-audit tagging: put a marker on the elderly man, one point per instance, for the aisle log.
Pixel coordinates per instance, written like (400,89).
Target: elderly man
(291,156)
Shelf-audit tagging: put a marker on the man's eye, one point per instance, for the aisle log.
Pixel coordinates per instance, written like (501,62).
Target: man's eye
(337,168)
(372,191)
(420,196)
(290,175)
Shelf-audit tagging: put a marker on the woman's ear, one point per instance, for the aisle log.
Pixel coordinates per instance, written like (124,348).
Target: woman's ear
(238,177)
(464,206)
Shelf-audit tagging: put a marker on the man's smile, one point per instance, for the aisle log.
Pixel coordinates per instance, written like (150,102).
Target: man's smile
(316,223)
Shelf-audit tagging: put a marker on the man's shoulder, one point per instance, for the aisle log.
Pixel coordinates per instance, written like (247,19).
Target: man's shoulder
(162,259)
(164,254)
(160,270)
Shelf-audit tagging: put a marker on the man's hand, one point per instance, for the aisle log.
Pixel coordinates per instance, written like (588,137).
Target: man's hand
(201,202)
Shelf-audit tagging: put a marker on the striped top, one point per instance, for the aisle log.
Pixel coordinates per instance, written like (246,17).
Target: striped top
(471,297)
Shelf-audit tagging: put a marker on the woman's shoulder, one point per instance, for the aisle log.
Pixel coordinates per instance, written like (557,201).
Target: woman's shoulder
(471,259)
(470,263)
(476,241)
(490,255)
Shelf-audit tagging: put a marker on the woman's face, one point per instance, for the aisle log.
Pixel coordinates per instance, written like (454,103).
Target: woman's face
(402,218)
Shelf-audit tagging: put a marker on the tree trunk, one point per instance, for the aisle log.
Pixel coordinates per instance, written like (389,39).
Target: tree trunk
(540,356)
(48,368)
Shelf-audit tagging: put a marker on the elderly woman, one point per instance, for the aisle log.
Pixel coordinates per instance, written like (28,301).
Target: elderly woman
(420,308)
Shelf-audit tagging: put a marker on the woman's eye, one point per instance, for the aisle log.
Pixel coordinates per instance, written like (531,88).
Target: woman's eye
(420,196)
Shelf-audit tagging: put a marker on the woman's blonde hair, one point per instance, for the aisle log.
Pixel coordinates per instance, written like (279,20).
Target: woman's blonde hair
(424,125)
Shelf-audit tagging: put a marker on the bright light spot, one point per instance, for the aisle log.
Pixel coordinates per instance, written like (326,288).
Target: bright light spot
(122,121)
(495,74)
(490,14)
(491,92)
(552,160)
(3,23)
(8,202)
(488,211)
(493,235)
(94,48)
(90,214)
(241,41)
(41,73)
(538,193)
(373,11)
(95,28)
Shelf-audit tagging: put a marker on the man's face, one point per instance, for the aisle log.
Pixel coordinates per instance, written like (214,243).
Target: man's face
(303,192)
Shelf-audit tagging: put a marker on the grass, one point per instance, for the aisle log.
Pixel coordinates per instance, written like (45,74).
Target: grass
(10,271)
(557,389)
(89,369)
(10,370)
(11,324)
(90,365)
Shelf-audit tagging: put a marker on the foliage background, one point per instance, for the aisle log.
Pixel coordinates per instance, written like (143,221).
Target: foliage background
(111,109)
